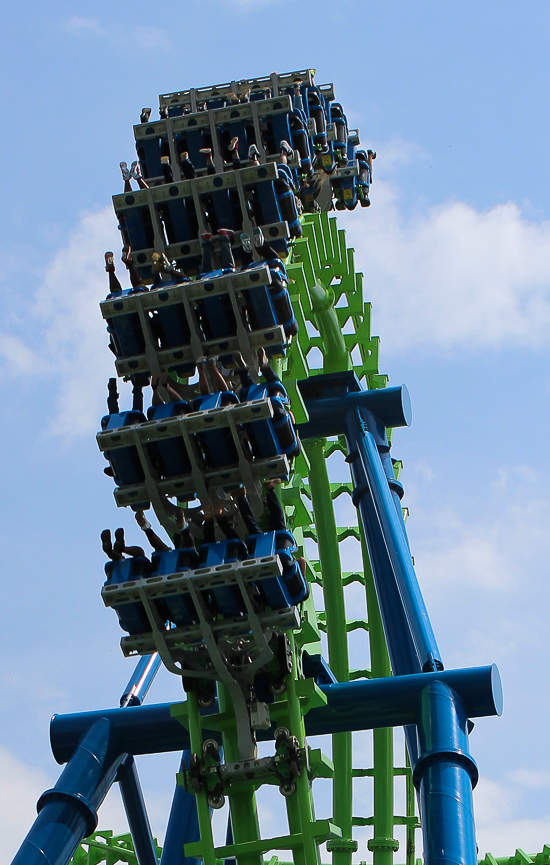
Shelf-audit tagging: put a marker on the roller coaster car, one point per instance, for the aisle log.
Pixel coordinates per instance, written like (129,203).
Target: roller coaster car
(179,607)
(276,435)
(151,146)
(125,331)
(269,305)
(365,178)
(228,600)
(124,462)
(169,456)
(346,188)
(291,587)
(301,142)
(132,617)
(217,445)
(216,315)
(315,103)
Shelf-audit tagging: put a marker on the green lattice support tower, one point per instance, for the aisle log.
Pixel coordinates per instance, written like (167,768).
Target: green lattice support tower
(327,296)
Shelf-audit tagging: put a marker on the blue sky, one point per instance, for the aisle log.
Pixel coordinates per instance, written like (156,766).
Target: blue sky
(456,255)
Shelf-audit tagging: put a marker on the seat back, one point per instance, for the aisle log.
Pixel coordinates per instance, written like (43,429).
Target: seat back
(124,461)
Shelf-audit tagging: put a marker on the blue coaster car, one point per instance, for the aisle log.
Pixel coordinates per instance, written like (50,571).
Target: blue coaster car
(281,298)
(269,305)
(126,334)
(291,587)
(346,188)
(217,445)
(228,600)
(169,456)
(301,142)
(270,437)
(136,224)
(132,617)
(193,141)
(284,187)
(277,129)
(125,462)
(180,608)
(364,179)
(150,149)
(179,217)
(222,207)
(317,111)
(340,123)
(216,315)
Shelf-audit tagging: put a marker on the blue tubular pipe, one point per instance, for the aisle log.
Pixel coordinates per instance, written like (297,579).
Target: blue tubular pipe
(444,776)
(443,771)
(183,825)
(140,680)
(387,543)
(68,812)
(360,705)
(136,813)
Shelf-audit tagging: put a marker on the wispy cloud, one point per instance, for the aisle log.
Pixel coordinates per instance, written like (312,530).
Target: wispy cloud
(454,277)
(135,34)
(68,346)
(499,830)
(20,787)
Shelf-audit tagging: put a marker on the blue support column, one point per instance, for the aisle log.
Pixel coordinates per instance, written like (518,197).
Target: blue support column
(138,821)
(68,812)
(444,776)
(183,825)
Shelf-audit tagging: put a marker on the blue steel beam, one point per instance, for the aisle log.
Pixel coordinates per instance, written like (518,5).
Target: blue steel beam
(141,680)
(443,771)
(359,705)
(68,812)
(138,821)
(183,825)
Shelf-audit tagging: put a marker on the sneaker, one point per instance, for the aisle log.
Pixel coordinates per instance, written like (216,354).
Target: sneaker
(286,149)
(246,242)
(259,238)
(160,262)
(126,254)
(262,357)
(206,236)
(110,262)
(119,543)
(239,360)
(165,160)
(206,151)
(253,153)
(145,115)
(125,171)
(135,170)
(234,144)
(226,232)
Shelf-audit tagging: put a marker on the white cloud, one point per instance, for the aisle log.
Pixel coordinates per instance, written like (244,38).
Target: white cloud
(534,779)
(453,277)
(499,830)
(69,344)
(135,35)
(21,786)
